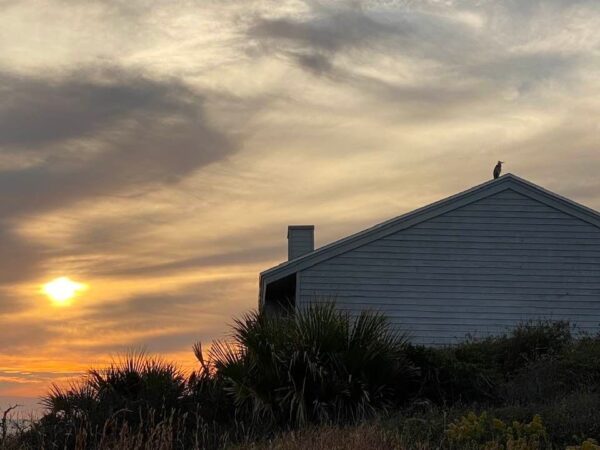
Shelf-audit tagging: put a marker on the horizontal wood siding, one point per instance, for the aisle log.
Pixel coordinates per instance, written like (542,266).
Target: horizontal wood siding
(476,270)
(300,242)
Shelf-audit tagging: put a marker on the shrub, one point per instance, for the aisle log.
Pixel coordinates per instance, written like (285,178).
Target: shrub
(581,361)
(319,365)
(567,369)
(538,382)
(510,352)
(446,380)
(524,365)
(137,391)
(483,431)
(569,419)
(208,399)
(588,444)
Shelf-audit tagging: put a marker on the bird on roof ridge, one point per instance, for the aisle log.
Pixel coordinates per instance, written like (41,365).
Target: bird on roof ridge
(498,169)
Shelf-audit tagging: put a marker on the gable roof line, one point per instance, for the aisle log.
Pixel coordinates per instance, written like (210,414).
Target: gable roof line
(411,218)
(594,216)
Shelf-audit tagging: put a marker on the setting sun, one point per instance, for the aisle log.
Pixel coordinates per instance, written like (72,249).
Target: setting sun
(62,290)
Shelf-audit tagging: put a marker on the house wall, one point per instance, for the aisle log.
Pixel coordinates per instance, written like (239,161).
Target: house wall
(478,269)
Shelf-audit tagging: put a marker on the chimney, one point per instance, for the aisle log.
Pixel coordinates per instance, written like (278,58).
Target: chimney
(301,240)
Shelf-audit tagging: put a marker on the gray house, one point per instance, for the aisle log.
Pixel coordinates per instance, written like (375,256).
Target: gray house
(476,263)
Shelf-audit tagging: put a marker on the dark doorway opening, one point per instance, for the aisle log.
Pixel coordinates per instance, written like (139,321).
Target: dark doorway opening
(280,296)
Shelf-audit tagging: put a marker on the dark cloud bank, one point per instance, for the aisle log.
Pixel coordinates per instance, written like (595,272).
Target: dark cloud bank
(99,133)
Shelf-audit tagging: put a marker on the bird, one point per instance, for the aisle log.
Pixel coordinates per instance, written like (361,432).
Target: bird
(498,169)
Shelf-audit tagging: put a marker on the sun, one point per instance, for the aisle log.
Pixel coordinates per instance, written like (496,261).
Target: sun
(62,290)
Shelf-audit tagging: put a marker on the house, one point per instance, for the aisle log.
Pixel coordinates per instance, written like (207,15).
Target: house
(476,263)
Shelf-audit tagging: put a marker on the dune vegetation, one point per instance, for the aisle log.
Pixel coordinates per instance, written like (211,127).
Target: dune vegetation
(320,379)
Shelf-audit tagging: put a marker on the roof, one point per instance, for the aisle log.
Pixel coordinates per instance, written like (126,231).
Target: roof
(487,189)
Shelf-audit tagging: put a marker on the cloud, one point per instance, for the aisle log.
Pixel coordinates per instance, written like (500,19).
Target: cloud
(172,341)
(170,320)
(170,306)
(100,132)
(313,42)
(9,302)
(21,258)
(423,56)
(235,257)
(330,31)
(25,336)
(37,112)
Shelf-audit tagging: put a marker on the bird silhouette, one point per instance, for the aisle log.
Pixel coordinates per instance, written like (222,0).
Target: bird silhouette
(498,169)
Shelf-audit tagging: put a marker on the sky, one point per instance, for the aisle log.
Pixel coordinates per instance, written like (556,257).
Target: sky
(157,151)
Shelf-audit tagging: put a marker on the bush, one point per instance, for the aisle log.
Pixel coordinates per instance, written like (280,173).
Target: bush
(581,361)
(319,366)
(527,342)
(569,419)
(447,380)
(136,391)
(527,364)
(588,444)
(483,431)
(559,372)
(538,382)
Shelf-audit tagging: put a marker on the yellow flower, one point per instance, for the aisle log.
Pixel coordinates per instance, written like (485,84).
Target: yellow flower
(498,425)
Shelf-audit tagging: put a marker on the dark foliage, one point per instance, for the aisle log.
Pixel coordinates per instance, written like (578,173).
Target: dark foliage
(136,390)
(526,343)
(321,366)
(445,379)
(569,418)
(317,366)
(528,364)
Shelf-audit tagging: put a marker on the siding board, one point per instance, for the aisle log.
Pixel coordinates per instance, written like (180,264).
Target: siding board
(464,271)
(337,289)
(394,256)
(465,310)
(471,262)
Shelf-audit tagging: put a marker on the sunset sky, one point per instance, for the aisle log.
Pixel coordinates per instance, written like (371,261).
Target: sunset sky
(157,151)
